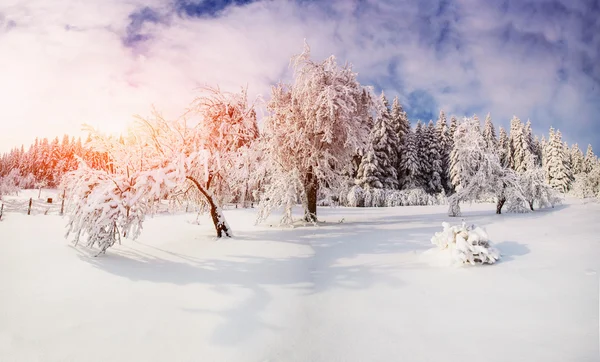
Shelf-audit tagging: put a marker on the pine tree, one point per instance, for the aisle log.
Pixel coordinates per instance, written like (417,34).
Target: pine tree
(577,160)
(504,148)
(455,166)
(445,143)
(401,125)
(543,151)
(489,134)
(537,151)
(434,178)
(476,123)
(423,150)
(529,142)
(369,172)
(567,162)
(386,144)
(410,161)
(590,159)
(557,172)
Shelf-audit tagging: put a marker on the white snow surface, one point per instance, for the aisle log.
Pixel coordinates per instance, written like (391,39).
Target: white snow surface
(364,285)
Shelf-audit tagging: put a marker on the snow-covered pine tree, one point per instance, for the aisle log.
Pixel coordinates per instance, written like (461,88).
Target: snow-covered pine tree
(529,141)
(434,179)
(445,143)
(544,153)
(537,151)
(577,160)
(410,162)
(386,145)
(314,129)
(568,162)
(401,124)
(452,130)
(369,173)
(489,134)
(450,147)
(422,154)
(476,123)
(519,148)
(556,170)
(590,159)
(503,148)
(455,164)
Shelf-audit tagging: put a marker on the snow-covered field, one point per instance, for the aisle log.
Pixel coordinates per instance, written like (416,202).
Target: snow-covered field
(365,285)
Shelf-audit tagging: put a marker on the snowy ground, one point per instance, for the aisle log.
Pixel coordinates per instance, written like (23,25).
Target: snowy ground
(366,289)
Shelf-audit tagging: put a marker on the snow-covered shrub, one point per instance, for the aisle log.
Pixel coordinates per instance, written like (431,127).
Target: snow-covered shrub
(587,184)
(374,197)
(9,184)
(356,197)
(393,198)
(467,244)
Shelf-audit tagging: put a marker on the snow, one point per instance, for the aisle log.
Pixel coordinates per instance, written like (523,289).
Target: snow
(364,285)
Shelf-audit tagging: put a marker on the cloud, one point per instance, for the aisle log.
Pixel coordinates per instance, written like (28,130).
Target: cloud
(102,62)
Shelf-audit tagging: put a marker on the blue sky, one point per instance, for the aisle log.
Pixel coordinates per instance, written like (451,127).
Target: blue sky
(68,62)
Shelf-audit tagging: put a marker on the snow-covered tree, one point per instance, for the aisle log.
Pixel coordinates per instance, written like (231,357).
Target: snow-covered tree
(422,142)
(369,172)
(577,160)
(590,159)
(410,162)
(480,173)
(384,139)
(434,178)
(519,147)
(556,171)
(537,151)
(445,145)
(402,126)
(587,184)
(534,186)
(10,184)
(157,159)
(503,148)
(489,134)
(455,164)
(314,129)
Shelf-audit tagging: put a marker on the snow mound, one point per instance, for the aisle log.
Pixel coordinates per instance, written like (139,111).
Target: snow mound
(467,244)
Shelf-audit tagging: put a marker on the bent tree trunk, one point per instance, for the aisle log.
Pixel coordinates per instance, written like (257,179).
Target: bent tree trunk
(215,212)
(311,188)
(500,204)
(531,204)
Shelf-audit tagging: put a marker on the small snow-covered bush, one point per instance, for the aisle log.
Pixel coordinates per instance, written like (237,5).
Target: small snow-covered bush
(356,197)
(468,244)
(374,197)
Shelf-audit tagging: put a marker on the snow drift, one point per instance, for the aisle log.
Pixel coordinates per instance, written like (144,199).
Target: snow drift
(467,244)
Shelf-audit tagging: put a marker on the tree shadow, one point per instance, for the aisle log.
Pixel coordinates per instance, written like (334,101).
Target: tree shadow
(339,260)
(511,249)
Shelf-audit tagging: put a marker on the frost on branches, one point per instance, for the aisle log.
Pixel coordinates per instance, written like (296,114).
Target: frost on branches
(314,129)
(479,170)
(467,244)
(196,157)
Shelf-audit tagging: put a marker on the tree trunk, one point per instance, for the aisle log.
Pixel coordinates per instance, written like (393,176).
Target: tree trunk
(531,205)
(215,212)
(311,188)
(499,205)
